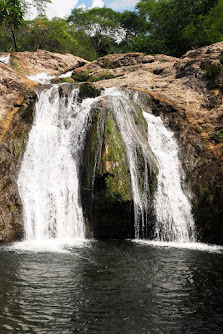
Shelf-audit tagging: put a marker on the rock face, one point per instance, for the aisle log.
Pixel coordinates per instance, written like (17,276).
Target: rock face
(31,63)
(186,93)
(107,196)
(16,113)
(12,147)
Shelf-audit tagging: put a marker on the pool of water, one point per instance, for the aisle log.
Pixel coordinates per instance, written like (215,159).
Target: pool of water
(111,287)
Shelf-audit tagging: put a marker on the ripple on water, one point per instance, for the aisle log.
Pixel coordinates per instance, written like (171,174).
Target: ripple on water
(113,287)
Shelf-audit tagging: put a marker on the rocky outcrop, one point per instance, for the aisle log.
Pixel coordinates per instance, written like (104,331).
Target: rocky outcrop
(186,93)
(106,187)
(13,89)
(12,147)
(31,63)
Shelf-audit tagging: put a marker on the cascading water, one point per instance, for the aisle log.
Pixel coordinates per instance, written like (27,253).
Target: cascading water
(48,179)
(134,140)
(49,176)
(5,59)
(135,145)
(174,221)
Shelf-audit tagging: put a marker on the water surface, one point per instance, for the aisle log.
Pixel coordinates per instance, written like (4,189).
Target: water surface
(114,287)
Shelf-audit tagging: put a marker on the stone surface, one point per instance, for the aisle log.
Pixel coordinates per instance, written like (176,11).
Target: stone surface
(31,63)
(12,147)
(13,89)
(106,182)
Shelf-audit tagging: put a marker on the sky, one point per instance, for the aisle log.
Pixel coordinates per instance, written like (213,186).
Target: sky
(62,8)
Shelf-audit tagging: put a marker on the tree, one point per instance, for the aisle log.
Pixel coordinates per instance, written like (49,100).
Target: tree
(38,4)
(207,29)
(52,35)
(167,20)
(11,16)
(101,24)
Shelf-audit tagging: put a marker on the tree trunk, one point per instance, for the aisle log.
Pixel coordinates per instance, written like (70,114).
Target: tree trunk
(14,38)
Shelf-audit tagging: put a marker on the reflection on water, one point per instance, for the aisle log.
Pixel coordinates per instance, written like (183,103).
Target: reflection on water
(115,287)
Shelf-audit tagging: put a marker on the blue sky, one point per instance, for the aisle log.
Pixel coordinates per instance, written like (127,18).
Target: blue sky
(115,4)
(63,8)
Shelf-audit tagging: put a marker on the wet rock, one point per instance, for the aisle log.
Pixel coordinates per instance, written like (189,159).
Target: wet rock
(106,182)
(12,147)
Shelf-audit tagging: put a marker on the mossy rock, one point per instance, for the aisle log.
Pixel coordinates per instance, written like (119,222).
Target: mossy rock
(88,91)
(106,183)
(87,76)
(82,76)
(106,189)
(16,65)
(217,136)
(62,80)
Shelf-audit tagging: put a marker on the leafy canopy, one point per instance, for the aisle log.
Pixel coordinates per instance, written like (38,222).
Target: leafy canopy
(11,13)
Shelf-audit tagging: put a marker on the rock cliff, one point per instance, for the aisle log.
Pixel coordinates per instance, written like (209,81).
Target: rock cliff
(186,93)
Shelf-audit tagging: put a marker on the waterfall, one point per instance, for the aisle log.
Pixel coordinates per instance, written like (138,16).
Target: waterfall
(48,180)
(5,59)
(174,221)
(134,141)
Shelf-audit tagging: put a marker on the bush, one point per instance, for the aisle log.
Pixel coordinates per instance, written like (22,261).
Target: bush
(217,136)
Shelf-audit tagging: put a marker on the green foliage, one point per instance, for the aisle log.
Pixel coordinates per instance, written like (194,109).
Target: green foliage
(104,76)
(81,76)
(88,90)
(11,13)
(207,29)
(84,76)
(56,35)
(11,16)
(212,71)
(173,24)
(158,26)
(51,35)
(101,24)
(217,136)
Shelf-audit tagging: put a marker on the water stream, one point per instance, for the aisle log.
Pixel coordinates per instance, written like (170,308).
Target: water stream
(174,220)
(49,176)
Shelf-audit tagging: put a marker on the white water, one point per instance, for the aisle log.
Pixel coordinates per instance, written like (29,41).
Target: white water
(174,221)
(49,177)
(45,78)
(133,139)
(182,245)
(5,59)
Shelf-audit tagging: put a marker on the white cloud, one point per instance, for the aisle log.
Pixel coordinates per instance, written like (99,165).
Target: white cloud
(95,4)
(59,8)
(122,4)
(82,6)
